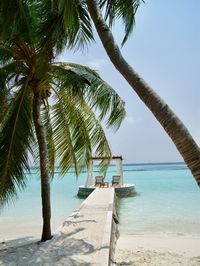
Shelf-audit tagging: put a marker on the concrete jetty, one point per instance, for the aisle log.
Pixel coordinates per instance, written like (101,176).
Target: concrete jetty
(87,236)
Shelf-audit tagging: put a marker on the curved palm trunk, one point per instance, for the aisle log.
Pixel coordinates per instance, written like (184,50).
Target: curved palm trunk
(167,118)
(44,168)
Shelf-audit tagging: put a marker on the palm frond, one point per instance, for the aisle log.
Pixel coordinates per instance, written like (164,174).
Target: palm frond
(12,71)
(96,91)
(98,139)
(66,77)
(5,54)
(80,90)
(15,143)
(62,137)
(3,97)
(15,21)
(126,10)
(54,35)
(67,24)
(107,102)
(77,22)
(77,130)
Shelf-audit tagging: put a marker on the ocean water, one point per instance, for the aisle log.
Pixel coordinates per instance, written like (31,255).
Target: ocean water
(167,200)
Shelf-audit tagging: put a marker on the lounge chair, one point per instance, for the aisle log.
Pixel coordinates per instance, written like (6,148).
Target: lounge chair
(99,181)
(115,180)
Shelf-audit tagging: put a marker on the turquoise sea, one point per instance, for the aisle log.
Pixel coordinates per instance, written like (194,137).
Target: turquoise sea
(167,200)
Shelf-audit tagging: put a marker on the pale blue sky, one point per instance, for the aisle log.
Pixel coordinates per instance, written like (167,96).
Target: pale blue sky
(165,49)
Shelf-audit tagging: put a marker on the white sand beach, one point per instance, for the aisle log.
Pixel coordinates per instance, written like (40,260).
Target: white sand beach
(137,250)
(157,250)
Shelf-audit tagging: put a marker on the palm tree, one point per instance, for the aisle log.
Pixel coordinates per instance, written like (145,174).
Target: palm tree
(126,11)
(48,106)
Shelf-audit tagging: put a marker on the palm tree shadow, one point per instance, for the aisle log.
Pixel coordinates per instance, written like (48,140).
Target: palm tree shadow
(18,242)
(63,249)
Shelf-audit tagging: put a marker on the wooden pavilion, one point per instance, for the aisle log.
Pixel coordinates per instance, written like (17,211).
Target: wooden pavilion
(93,181)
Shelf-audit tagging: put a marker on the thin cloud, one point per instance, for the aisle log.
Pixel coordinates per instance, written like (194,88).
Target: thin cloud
(133,120)
(97,63)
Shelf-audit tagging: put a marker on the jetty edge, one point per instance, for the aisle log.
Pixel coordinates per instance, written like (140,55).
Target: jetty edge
(89,235)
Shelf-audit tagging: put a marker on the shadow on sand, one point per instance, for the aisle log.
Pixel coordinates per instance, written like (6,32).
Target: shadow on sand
(63,249)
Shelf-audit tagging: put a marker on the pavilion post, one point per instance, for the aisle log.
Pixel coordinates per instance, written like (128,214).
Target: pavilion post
(89,181)
(119,170)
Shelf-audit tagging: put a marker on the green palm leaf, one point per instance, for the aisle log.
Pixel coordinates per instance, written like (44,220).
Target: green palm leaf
(62,137)
(126,10)
(98,139)
(67,24)
(76,21)
(15,143)
(80,89)
(3,97)
(98,93)
(5,54)
(77,131)
(15,21)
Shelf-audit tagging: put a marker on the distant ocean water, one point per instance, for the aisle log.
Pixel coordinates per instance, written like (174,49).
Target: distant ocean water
(167,201)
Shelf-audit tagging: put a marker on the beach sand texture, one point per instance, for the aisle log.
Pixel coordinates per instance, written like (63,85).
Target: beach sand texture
(135,250)
(157,250)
